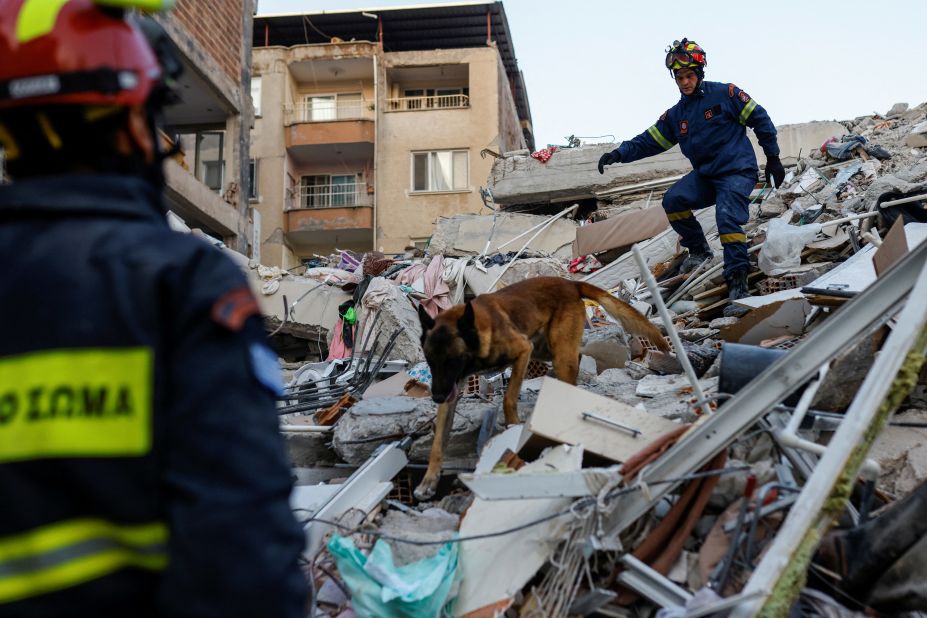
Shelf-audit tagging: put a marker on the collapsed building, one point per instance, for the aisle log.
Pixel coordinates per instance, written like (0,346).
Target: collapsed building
(772,464)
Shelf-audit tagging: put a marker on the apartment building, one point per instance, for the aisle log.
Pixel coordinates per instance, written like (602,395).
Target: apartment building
(370,124)
(206,183)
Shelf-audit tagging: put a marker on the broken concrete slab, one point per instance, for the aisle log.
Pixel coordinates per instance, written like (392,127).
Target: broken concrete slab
(469,234)
(572,174)
(372,422)
(653,385)
(431,526)
(307,449)
(621,230)
(917,138)
(525,268)
(798,138)
(396,313)
(607,345)
(902,453)
(313,306)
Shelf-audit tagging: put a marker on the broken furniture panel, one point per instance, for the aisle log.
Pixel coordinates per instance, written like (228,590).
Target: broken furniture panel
(571,415)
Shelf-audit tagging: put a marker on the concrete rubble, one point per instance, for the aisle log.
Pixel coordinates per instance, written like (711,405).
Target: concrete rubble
(740,450)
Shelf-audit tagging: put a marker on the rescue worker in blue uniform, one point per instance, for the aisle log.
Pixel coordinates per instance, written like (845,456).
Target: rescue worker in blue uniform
(709,124)
(141,466)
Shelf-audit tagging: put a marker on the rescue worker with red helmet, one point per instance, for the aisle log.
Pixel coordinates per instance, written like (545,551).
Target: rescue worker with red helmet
(709,124)
(141,466)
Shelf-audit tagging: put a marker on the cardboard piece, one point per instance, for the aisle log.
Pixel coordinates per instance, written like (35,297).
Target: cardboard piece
(893,248)
(393,386)
(786,317)
(558,416)
(619,231)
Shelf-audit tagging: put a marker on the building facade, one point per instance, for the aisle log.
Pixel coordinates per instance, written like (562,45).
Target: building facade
(370,125)
(208,181)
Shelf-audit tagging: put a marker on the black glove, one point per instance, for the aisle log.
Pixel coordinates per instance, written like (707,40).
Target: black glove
(607,159)
(775,171)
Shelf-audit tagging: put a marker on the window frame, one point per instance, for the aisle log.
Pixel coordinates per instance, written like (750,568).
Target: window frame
(253,172)
(256,101)
(454,188)
(199,136)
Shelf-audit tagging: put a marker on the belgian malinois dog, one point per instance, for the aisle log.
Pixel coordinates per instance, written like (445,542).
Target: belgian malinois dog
(540,318)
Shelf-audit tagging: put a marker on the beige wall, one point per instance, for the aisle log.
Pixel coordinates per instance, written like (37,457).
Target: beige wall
(401,216)
(511,136)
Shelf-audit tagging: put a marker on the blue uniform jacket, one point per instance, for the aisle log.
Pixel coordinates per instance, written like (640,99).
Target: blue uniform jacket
(142,468)
(710,128)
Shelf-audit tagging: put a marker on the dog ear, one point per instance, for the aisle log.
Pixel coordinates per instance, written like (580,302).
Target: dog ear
(425,320)
(466,326)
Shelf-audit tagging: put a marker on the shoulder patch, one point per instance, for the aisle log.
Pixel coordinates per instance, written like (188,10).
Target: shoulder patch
(233,308)
(266,368)
(744,97)
(664,115)
(730,90)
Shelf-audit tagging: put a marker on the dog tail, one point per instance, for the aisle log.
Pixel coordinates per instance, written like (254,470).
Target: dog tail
(630,318)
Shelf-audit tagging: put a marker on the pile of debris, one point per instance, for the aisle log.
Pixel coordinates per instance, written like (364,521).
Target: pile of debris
(772,463)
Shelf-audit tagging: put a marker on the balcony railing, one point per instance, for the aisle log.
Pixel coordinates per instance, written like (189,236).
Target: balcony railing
(332,196)
(329,111)
(445,101)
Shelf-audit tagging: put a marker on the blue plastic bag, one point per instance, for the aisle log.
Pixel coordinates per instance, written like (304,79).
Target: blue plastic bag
(380,589)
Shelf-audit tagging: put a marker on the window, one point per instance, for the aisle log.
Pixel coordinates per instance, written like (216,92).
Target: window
(210,164)
(252,179)
(441,170)
(340,106)
(256,94)
(324,191)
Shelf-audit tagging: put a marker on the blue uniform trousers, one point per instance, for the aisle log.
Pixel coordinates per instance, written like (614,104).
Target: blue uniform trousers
(731,196)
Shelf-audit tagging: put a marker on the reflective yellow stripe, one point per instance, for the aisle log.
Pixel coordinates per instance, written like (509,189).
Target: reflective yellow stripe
(76,403)
(142,5)
(728,238)
(656,135)
(37,18)
(54,140)
(72,552)
(747,110)
(677,216)
(8,142)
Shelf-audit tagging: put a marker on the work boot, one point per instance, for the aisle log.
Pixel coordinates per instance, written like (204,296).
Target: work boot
(736,288)
(695,258)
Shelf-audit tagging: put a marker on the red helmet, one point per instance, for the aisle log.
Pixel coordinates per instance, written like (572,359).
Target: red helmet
(686,54)
(74,52)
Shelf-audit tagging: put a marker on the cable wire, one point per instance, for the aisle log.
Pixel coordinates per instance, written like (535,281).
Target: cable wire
(585,502)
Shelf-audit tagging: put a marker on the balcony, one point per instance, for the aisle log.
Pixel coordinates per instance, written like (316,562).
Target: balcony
(318,132)
(416,104)
(318,211)
(341,195)
(331,110)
